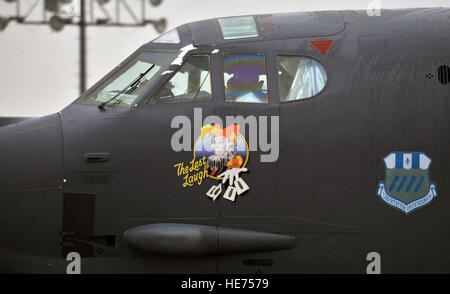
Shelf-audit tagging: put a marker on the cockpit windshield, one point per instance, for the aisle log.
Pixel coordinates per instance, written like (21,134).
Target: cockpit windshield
(130,80)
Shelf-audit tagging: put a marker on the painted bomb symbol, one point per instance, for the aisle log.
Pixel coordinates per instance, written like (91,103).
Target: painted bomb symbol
(225,164)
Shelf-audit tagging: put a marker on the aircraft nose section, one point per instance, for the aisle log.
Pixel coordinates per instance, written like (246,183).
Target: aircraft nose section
(31,155)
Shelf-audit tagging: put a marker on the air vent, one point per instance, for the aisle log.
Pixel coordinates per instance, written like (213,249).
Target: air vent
(78,221)
(444,74)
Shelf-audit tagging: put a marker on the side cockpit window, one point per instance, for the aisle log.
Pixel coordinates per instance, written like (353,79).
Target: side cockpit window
(192,82)
(300,77)
(245,78)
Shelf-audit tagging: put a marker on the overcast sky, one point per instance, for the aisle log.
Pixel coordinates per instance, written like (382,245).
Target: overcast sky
(39,67)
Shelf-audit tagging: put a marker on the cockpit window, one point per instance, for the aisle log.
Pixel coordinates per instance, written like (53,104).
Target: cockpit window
(300,77)
(171,37)
(192,82)
(130,80)
(245,78)
(238,27)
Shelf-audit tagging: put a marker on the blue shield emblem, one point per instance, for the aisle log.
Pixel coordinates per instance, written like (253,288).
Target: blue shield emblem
(407,185)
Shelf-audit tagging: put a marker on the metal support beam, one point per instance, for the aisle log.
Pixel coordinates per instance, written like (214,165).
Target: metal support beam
(60,18)
(82,46)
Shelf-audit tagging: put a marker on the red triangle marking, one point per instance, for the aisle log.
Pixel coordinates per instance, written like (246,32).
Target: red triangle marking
(322,45)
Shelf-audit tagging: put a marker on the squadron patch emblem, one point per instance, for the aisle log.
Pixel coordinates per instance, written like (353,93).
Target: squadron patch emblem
(407,184)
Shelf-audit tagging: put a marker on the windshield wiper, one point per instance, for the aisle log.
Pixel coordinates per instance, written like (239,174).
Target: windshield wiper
(131,85)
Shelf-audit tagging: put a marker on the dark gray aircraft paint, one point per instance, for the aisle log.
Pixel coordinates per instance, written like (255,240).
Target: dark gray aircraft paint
(102,182)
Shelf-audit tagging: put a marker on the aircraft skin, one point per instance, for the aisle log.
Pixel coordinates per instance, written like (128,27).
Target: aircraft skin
(94,174)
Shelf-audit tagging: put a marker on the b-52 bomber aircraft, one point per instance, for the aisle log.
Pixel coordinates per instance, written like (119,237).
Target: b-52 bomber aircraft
(312,142)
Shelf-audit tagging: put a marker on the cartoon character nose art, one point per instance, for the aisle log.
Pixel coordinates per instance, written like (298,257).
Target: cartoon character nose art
(219,154)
